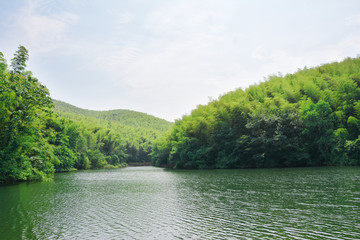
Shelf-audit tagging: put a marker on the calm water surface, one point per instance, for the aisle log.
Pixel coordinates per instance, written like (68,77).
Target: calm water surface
(153,203)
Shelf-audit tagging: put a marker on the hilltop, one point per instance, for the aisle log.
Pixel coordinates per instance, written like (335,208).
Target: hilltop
(125,117)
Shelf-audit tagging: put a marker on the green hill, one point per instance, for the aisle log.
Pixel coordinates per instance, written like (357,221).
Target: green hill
(309,118)
(125,117)
(134,131)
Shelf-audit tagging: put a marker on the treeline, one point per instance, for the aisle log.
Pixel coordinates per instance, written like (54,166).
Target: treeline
(136,130)
(310,118)
(35,141)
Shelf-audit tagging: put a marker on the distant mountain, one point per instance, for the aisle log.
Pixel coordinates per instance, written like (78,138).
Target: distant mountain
(125,117)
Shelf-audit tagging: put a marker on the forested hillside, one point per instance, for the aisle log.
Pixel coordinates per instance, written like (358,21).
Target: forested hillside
(310,118)
(136,131)
(125,117)
(35,141)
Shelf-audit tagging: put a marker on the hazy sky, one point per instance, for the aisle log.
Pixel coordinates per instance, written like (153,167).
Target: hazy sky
(165,57)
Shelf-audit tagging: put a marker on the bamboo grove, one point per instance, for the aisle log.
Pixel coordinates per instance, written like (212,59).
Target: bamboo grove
(310,118)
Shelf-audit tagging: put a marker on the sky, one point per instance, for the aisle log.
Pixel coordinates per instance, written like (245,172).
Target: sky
(165,57)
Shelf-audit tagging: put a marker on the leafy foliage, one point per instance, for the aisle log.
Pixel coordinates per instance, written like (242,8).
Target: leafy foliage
(132,132)
(310,118)
(24,153)
(18,63)
(35,141)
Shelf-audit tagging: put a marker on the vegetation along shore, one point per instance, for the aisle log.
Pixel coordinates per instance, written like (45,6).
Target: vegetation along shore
(309,118)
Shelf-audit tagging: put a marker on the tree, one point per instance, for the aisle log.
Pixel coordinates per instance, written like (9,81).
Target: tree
(319,132)
(3,64)
(18,63)
(24,153)
(310,118)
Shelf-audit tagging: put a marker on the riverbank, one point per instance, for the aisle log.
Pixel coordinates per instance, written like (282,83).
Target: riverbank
(139,164)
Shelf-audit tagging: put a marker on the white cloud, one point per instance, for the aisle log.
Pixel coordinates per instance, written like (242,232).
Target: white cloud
(187,44)
(272,60)
(189,17)
(353,20)
(124,18)
(43,32)
(164,58)
(186,56)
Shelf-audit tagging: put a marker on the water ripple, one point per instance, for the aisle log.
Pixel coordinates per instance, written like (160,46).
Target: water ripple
(152,203)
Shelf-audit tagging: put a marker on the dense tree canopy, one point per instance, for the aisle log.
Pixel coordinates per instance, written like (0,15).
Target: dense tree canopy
(24,152)
(135,131)
(310,118)
(37,139)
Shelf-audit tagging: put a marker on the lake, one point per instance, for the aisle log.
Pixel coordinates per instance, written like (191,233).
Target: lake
(154,203)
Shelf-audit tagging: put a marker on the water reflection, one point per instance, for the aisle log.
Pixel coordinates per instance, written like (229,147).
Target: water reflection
(153,203)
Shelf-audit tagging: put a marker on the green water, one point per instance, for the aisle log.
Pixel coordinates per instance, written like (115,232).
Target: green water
(153,203)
